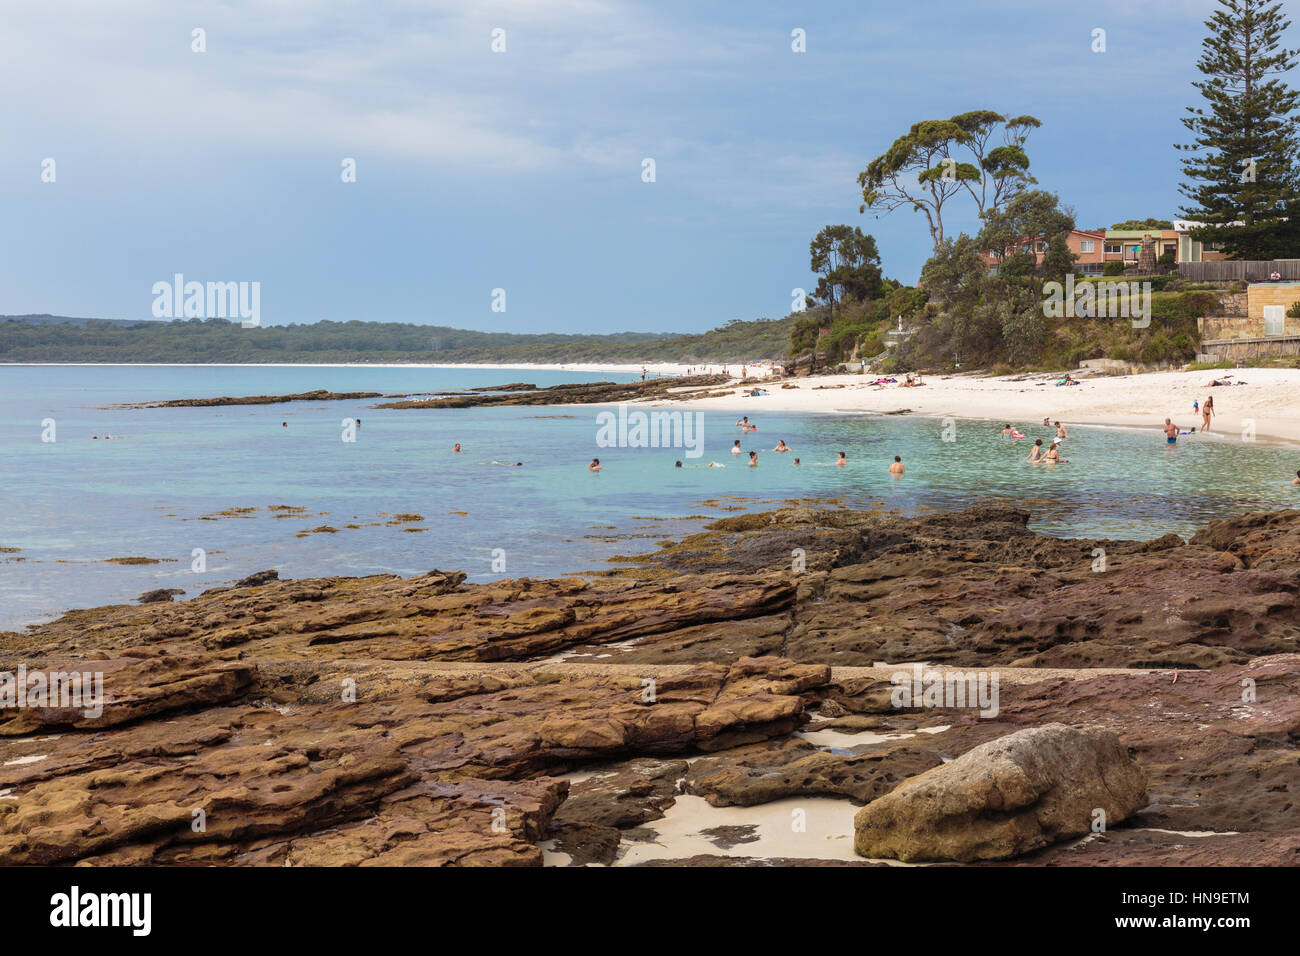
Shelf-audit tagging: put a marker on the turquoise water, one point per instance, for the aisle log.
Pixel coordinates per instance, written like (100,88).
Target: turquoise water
(72,504)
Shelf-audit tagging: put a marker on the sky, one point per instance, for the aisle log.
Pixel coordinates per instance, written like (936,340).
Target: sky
(522,170)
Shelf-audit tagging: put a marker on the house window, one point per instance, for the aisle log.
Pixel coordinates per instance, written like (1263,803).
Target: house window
(1040,247)
(1086,245)
(1114,248)
(1024,247)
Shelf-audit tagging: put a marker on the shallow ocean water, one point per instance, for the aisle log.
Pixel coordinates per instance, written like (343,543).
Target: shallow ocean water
(158,491)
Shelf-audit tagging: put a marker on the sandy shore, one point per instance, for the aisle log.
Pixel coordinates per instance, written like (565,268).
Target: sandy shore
(1270,399)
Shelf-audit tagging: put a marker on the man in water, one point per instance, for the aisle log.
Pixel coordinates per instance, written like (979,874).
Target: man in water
(595,465)
(1171,432)
(896,468)
(677,465)
(456,448)
(735,449)
(1061,433)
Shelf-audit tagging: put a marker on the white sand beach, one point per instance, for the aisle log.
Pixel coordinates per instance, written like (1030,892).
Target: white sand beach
(1270,399)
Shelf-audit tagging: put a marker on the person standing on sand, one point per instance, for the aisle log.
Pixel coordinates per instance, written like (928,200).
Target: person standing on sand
(896,468)
(1207,412)
(1171,433)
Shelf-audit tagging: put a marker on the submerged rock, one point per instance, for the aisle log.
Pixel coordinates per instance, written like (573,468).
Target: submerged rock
(1005,798)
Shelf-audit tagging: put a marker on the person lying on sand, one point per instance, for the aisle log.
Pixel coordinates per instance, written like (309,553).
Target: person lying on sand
(1036,453)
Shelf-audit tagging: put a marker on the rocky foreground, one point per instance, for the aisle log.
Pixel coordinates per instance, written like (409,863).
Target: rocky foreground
(427,721)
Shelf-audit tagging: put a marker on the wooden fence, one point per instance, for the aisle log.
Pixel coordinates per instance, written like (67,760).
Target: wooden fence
(1240,270)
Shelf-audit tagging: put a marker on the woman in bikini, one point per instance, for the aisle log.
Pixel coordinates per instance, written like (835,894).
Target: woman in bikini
(1207,410)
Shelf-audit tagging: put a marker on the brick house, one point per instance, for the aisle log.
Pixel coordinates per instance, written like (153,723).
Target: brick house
(1086,246)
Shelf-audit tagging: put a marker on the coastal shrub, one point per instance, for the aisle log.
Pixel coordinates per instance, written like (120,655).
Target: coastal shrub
(1159,348)
(872,344)
(1113,269)
(1294,311)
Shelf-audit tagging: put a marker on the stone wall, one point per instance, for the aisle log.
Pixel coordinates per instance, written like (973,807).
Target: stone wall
(1235,327)
(1261,294)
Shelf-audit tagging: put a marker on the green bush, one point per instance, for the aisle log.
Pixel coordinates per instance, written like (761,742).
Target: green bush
(1294,311)
(1113,269)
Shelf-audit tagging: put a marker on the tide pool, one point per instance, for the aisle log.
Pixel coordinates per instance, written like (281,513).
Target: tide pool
(235,484)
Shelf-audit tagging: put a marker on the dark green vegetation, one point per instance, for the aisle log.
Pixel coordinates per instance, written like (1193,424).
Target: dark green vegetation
(1240,168)
(217,340)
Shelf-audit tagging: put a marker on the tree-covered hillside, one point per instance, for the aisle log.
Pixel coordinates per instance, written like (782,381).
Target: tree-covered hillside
(47,339)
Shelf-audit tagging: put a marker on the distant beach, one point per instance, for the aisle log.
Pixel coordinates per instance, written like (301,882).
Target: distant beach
(1270,398)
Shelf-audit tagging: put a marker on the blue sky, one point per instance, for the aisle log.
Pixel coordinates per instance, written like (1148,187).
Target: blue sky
(522,170)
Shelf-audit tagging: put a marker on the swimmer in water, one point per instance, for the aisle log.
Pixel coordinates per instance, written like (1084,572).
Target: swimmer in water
(796,461)
(753,459)
(595,465)
(897,468)
(456,448)
(677,465)
(781,446)
(1006,430)
(735,449)
(1061,433)
(1036,453)
(841,461)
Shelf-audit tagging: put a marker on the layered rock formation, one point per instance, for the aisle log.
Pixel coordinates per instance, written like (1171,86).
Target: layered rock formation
(427,721)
